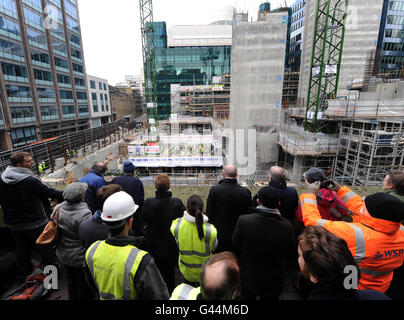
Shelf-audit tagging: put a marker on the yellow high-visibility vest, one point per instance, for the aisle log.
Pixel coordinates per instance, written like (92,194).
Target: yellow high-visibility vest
(113,269)
(193,252)
(185,292)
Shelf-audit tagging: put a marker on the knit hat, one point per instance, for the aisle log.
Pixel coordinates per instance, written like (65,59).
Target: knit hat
(385,206)
(74,192)
(315,174)
(269,197)
(128,167)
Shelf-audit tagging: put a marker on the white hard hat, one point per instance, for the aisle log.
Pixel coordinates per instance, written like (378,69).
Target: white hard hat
(118,207)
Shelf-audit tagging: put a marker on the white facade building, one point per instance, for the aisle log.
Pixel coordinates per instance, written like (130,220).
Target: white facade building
(100,103)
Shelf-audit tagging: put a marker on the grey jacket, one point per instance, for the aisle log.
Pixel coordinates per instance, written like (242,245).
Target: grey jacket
(69,249)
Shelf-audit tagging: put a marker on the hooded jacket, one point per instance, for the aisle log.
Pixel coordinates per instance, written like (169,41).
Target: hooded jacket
(25,199)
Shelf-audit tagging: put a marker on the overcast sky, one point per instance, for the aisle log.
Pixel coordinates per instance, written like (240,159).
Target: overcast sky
(111,29)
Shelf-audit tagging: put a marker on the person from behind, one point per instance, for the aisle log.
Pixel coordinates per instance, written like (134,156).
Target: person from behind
(69,249)
(288,195)
(119,269)
(158,214)
(394,184)
(264,244)
(134,187)
(330,206)
(226,202)
(95,180)
(196,239)
(325,260)
(26,207)
(220,280)
(93,228)
(375,237)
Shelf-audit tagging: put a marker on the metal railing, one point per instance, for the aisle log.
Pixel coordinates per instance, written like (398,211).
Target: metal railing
(55,153)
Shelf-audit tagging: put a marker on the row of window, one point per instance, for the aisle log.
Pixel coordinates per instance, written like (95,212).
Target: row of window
(104,102)
(396,5)
(392,60)
(14,91)
(298,6)
(8,7)
(395,19)
(395,33)
(101,85)
(388,46)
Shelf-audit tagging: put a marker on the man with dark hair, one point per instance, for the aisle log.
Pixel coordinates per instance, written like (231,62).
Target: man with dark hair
(324,260)
(226,202)
(264,244)
(134,187)
(119,268)
(288,195)
(25,203)
(93,229)
(220,280)
(394,184)
(95,180)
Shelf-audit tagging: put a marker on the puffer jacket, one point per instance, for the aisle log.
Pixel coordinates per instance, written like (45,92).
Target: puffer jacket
(69,249)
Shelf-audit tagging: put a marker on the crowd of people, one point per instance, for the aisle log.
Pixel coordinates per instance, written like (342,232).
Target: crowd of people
(113,244)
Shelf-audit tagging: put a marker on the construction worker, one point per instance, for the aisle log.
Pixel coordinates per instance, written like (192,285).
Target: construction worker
(119,269)
(375,238)
(201,149)
(196,239)
(67,153)
(220,280)
(41,168)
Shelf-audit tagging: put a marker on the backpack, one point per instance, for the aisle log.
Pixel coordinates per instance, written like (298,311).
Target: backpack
(32,289)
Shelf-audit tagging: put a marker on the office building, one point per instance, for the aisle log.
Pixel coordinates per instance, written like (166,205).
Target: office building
(43,84)
(99,101)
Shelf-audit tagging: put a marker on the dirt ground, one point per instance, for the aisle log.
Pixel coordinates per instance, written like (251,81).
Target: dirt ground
(185,192)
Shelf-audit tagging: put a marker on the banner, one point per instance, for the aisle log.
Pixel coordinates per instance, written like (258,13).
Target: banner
(171,162)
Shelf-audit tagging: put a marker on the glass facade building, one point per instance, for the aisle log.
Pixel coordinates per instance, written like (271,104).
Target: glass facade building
(296,35)
(43,83)
(185,66)
(391,37)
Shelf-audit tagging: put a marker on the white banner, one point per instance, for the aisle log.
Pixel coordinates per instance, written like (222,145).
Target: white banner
(171,162)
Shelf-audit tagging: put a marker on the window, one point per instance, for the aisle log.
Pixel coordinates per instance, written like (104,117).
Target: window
(36,4)
(64,79)
(100,85)
(8,7)
(33,18)
(9,28)
(71,9)
(43,75)
(80,82)
(14,50)
(92,84)
(39,57)
(66,95)
(55,13)
(95,101)
(81,95)
(49,113)
(14,70)
(59,47)
(105,86)
(68,112)
(75,40)
(72,24)
(83,110)
(46,94)
(61,63)
(18,92)
(37,38)
(23,136)
(76,54)
(22,114)
(78,68)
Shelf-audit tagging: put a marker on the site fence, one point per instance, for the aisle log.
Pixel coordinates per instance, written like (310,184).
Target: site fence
(55,153)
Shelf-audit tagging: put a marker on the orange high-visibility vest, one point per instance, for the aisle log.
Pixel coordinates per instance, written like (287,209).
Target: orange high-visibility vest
(377,245)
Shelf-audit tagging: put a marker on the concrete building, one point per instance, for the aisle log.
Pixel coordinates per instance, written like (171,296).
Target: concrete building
(258,60)
(42,77)
(99,101)
(125,102)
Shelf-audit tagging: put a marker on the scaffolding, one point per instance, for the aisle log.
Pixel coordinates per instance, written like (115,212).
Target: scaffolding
(298,142)
(371,150)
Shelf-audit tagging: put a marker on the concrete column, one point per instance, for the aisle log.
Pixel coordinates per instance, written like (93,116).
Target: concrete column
(297,170)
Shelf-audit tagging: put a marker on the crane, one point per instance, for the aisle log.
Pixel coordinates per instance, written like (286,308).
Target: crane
(328,45)
(149,63)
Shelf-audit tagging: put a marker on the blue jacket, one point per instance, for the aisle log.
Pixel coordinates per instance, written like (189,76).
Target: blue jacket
(95,179)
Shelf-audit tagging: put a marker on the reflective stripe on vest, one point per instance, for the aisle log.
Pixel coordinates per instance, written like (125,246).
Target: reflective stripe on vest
(308,201)
(402,228)
(359,243)
(321,222)
(374,272)
(185,292)
(192,252)
(127,276)
(348,196)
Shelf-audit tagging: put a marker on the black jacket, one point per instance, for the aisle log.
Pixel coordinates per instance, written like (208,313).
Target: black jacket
(26,203)
(158,214)
(226,202)
(289,200)
(133,186)
(264,243)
